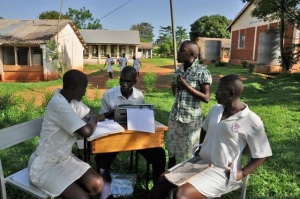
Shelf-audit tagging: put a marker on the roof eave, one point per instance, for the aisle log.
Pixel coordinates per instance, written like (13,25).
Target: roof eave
(238,15)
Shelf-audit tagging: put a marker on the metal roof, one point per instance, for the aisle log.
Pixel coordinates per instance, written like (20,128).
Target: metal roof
(144,45)
(226,43)
(32,31)
(111,36)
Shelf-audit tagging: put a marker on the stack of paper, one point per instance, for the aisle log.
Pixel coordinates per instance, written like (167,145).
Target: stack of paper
(105,128)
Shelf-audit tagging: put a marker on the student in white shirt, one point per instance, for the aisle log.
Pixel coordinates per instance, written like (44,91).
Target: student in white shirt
(52,166)
(126,94)
(136,65)
(124,61)
(110,62)
(228,128)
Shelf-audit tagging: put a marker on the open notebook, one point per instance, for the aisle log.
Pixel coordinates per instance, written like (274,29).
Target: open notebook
(185,170)
(105,128)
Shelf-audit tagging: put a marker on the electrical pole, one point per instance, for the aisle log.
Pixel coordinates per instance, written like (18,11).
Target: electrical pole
(174,35)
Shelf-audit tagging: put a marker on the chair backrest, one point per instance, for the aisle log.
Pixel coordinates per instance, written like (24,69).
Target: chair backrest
(16,134)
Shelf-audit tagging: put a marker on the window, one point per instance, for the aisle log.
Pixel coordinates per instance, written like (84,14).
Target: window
(8,55)
(122,49)
(103,50)
(85,53)
(131,50)
(94,51)
(36,56)
(242,37)
(113,50)
(22,55)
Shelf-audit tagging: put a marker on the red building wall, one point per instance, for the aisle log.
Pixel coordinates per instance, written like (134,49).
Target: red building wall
(237,55)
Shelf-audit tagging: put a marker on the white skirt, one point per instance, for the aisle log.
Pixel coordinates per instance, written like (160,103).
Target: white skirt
(211,182)
(55,177)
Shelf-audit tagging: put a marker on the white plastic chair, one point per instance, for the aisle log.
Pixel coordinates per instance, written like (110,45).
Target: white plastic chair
(242,184)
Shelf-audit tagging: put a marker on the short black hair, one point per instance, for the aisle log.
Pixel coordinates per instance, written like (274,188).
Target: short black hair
(131,70)
(74,77)
(194,48)
(233,83)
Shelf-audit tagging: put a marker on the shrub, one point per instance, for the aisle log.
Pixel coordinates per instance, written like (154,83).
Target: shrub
(112,83)
(244,64)
(220,64)
(251,68)
(149,80)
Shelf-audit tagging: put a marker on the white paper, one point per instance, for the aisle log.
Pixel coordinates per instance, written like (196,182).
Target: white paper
(105,128)
(140,119)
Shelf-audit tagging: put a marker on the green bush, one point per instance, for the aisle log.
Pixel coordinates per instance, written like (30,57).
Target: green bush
(149,80)
(244,64)
(112,83)
(220,64)
(251,68)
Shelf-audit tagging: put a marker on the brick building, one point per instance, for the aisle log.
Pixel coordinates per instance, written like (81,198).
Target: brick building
(253,40)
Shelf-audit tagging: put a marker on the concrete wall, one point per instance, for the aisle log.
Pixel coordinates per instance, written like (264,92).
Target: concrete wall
(70,48)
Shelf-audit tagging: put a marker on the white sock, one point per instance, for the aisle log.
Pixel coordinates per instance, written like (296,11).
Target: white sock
(106,191)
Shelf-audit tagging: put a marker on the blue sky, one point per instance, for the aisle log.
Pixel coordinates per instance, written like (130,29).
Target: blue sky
(155,12)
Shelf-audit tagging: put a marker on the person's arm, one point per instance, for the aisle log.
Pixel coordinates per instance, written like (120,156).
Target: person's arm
(249,168)
(88,129)
(140,63)
(88,116)
(203,95)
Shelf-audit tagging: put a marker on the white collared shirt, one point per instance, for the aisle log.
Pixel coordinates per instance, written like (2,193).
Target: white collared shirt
(226,139)
(113,97)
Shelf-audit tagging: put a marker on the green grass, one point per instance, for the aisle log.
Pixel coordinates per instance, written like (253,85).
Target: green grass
(158,62)
(276,101)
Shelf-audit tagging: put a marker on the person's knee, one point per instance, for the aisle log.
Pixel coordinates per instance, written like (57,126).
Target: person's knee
(181,193)
(97,184)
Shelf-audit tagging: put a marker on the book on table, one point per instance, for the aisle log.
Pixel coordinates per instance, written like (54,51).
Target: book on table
(105,128)
(185,170)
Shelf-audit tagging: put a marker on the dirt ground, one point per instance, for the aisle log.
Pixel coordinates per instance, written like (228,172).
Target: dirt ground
(163,78)
(97,82)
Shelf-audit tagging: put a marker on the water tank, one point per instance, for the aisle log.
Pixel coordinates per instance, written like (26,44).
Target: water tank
(268,49)
(212,50)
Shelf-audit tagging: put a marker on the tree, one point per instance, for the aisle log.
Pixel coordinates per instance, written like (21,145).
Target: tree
(52,15)
(1,17)
(165,35)
(213,26)
(83,19)
(146,31)
(284,11)
(181,34)
(164,49)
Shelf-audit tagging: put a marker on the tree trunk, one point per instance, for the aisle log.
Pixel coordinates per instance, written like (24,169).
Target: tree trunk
(283,63)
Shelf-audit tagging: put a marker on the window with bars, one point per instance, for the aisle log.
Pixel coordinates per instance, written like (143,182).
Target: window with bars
(8,54)
(22,55)
(242,38)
